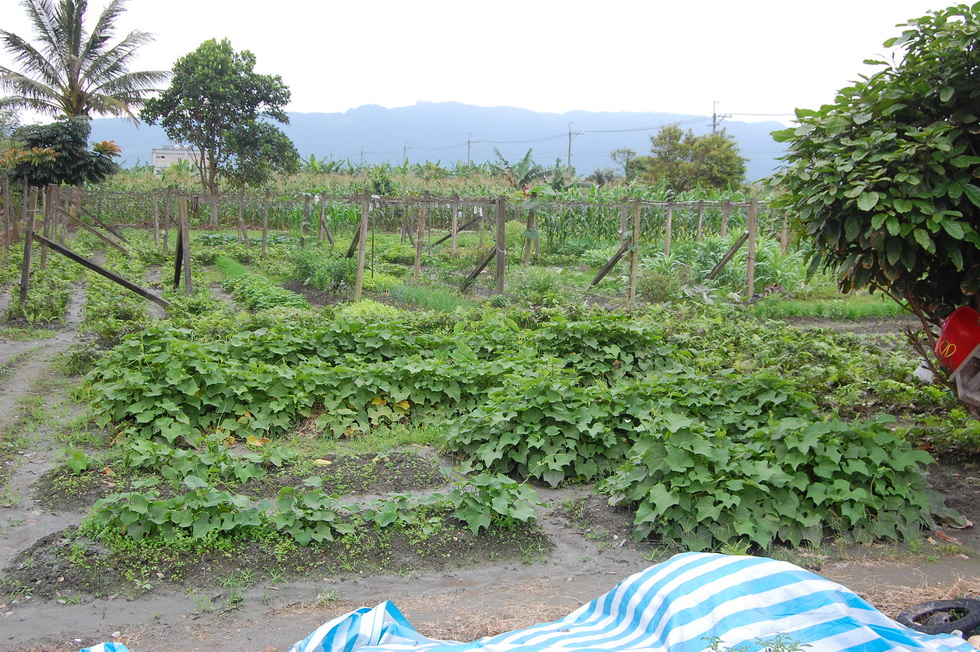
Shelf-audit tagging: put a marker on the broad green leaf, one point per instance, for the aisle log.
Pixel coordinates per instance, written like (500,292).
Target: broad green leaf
(868,200)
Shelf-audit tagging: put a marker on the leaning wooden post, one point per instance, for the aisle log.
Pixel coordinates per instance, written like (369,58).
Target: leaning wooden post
(185,246)
(265,222)
(501,244)
(419,232)
(454,228)
(635,250)
(750,259)
(362,245)
(25,268)
(668,228)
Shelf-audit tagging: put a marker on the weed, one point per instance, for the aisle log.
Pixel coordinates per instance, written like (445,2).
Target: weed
(325,597)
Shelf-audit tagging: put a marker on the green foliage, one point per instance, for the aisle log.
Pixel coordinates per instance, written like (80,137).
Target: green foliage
(256,292)
(883,179)
(788,479)
(484,499)
(307,514)
(219,106)
(73,162)
(73,72)
(685,161)
(539,286)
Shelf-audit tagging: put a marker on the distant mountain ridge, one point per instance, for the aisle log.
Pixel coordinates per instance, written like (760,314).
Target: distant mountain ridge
(445,132)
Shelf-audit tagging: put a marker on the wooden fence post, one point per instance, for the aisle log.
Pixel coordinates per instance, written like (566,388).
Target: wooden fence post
(8,210)
(185,246)
(750,259)
(784,236)
(668,228)
(265,221)
(362,245)
(25,268)
(454,227)
(50,203)
(501,242)
(303,222)
(167,221)
(697,236)
(635,251)
(242,229)
(156,220)
(726,208)
(624,216)
(419,232)
(532,239)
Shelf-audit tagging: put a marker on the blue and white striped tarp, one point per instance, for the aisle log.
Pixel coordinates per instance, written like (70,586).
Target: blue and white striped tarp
(692,602)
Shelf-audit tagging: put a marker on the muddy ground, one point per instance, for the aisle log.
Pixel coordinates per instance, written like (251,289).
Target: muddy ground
(583,549)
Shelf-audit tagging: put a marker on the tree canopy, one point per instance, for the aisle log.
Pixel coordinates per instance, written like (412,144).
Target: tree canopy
(59,153)
(884,179)
(686,161)
(71,71)
(219,106)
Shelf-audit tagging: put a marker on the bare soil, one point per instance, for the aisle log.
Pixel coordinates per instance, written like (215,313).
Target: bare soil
(58,594)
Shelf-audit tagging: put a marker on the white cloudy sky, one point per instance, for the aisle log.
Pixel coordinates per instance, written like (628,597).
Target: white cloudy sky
(751,56)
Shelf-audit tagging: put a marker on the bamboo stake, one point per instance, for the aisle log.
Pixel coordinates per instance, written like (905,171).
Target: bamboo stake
(725,210)
(156,221)
(668,228)
(167,221)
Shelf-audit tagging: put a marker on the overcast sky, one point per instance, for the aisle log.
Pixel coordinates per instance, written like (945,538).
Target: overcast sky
(751,56)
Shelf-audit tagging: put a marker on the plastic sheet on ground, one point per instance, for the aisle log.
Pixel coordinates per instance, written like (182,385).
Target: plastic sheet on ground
(692,602)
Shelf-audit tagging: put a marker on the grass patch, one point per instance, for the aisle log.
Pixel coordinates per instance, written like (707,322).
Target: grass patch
(855,308)
(24,334)
(429,297)
(229,268)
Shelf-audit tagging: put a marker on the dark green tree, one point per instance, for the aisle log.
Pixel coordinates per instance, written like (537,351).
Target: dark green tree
(218,105)
(59,153)
(71,71)
(686,161)
(884,180)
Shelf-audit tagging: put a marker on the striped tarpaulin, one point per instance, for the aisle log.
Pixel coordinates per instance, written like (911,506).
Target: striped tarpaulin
(692,602)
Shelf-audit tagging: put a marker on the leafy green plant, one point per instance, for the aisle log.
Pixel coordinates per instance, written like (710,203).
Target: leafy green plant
(485,499)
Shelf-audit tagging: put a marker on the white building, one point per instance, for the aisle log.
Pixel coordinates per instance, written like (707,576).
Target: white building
(165,157)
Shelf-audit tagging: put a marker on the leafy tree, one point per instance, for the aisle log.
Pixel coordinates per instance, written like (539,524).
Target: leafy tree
(602,176)
(58,153)
(222,108)
(625,158)
(70,71)
(686,161)
(884,179)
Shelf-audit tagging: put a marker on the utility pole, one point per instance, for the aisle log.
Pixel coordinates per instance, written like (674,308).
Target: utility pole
(468,143)
(716,117)
(405,154)
(571,134)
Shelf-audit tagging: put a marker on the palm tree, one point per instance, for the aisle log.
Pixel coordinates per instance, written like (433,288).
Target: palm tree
(70,72)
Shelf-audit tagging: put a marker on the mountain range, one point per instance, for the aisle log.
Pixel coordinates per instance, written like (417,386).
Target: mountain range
(447,132)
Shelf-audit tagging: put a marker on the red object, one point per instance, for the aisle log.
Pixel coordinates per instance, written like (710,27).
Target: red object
(960,335)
